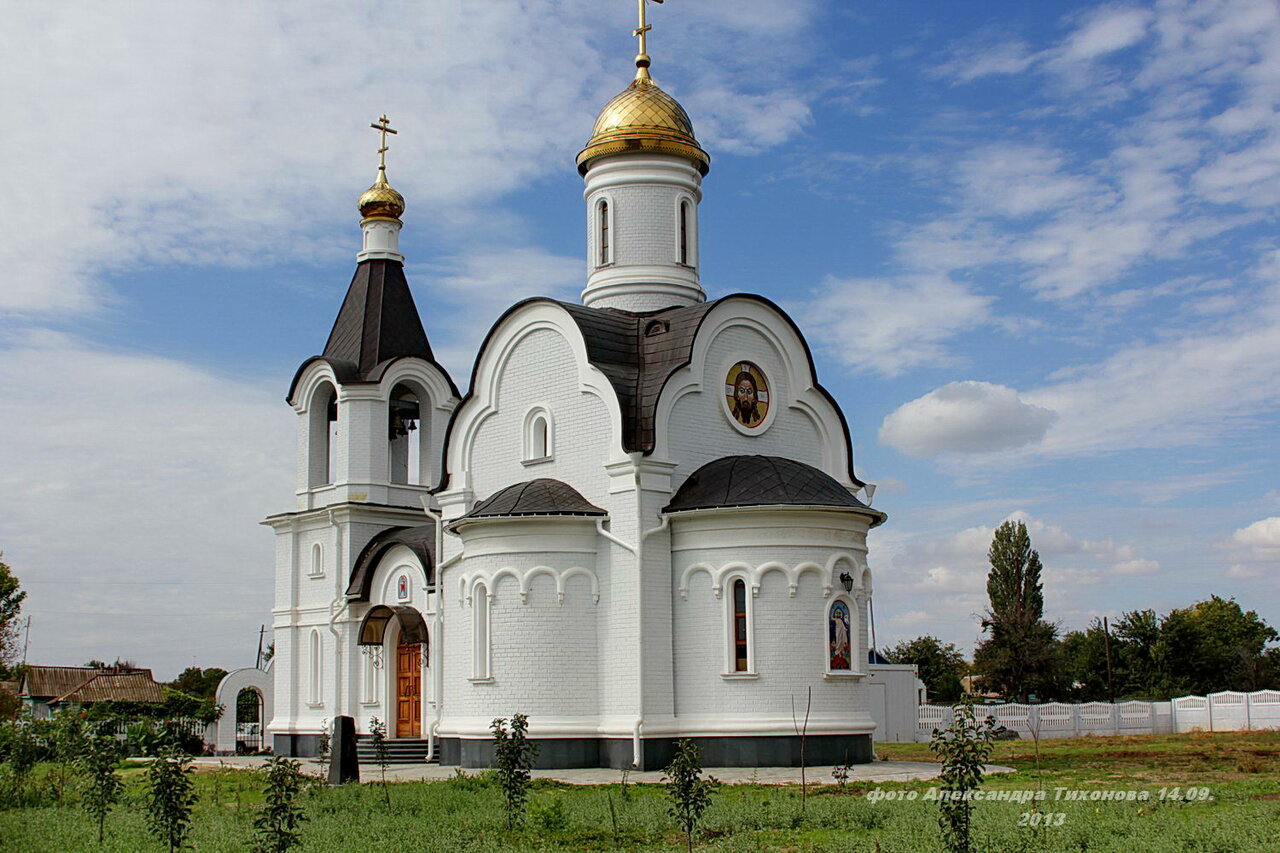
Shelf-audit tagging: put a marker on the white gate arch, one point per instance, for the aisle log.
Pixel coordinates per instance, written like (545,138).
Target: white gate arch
(228,690)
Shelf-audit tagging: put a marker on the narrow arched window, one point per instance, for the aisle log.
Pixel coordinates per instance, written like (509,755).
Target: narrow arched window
(604,233)
(317,669)
(740,663)
(317,560)
(539,446)
(684,233)
(539,435)
(480,628)
(840,637)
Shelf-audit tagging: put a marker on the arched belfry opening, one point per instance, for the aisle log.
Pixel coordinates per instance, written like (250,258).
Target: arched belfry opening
(322,436)
(406,436)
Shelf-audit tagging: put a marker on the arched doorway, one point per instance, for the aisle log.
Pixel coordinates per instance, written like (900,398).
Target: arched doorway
(408,682)
(248,721)
(402,633)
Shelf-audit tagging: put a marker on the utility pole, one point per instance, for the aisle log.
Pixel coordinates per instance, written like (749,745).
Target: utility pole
(26,641)
(1106,630)
(257,664)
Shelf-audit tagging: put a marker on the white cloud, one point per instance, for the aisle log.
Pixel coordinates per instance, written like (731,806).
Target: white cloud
(1254,550)
(1105,31)
(890,325)
(175,133)
(130,491)
(1261,536)
(965,417)
(1136,567)
(1181,391)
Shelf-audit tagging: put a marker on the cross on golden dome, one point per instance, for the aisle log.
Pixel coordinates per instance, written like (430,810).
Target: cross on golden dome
(643,118)
(381,201)
(641,32)
(384,127)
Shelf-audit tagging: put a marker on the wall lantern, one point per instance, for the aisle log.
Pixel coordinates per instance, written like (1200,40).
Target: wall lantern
(846,581)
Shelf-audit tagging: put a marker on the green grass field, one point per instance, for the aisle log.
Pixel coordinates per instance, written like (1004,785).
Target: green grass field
(1241,773)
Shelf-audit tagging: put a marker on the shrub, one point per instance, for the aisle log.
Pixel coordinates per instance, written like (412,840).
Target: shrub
(690,794)
(277,826)
(550,817)
(514,755)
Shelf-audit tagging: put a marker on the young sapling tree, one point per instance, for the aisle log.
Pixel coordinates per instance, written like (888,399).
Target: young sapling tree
(514,755)
(690,794)
(277,828)
(98,759)
(170,797)
(964,747)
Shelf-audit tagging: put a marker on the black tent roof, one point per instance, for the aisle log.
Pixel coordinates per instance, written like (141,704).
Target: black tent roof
(377,324)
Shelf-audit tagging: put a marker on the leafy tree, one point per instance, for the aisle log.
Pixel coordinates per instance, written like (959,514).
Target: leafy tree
(1084,663)
(1020,657)
(690,794)
(170,797)
(964,746)
(103,786)
(11,598)
(941,665)
(197,682)
(278,825)
(514,755)
(1217,646)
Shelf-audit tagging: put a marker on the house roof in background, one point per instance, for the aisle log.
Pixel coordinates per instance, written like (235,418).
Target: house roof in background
(136,686)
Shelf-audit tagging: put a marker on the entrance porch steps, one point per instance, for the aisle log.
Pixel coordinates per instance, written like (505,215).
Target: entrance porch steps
(399,750)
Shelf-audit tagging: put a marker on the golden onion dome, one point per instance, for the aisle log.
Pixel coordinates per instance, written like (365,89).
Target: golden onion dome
(643,118)
(381,201)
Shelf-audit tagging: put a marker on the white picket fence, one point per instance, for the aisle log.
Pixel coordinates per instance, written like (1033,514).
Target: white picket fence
(1227,711)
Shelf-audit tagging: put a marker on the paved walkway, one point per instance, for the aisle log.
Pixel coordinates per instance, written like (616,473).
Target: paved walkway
(876,771)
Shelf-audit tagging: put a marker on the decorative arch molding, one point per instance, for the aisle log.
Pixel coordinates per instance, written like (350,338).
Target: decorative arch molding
(429,377)
(467,583)
(805,395)
(856,565)
(481,402)
(311,377)
(827,573)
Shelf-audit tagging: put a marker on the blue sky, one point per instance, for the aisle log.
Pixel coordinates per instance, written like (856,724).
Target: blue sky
(1033,244)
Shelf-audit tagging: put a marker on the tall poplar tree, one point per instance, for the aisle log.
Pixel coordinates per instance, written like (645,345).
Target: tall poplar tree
(1019,657)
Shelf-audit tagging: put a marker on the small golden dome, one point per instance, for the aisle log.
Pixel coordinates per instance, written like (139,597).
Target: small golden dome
(643,118)
(381,201)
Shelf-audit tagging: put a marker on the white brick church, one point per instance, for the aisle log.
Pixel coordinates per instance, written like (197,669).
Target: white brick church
(640,523)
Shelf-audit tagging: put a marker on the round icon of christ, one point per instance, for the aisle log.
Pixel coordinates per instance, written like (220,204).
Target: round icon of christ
(746,393)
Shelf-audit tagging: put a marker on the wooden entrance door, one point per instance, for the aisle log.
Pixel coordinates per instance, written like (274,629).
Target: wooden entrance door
(408,690)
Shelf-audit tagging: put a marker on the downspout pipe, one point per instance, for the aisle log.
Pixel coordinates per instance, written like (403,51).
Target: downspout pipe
(436,649)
